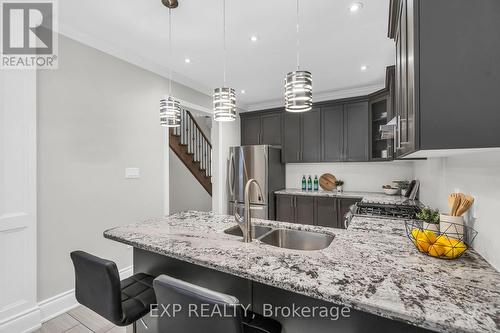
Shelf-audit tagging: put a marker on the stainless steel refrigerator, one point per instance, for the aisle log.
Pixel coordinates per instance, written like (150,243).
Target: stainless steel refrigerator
(262,163)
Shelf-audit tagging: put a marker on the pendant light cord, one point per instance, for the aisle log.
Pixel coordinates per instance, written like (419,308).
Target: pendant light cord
(298,38)
(170,52)
(224,36)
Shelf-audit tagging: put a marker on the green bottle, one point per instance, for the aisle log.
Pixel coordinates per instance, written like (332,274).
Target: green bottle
(316,183)
(304,185)
(309,183)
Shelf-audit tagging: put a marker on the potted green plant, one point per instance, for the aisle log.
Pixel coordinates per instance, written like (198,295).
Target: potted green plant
(403,185)
(430,218)
(339,183)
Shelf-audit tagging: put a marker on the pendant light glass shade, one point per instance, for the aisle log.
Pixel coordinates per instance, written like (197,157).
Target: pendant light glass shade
(170,112)
(298,84)
(224,98)
(170,109)
(298,91)
(224,104)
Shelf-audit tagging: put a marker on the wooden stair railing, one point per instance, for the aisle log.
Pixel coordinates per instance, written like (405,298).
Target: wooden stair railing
(193,148)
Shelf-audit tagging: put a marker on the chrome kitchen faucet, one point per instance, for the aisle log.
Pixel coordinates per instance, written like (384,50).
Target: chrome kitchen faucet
(245,223)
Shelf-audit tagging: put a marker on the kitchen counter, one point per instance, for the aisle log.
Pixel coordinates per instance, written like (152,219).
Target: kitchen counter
(371,267)
(377,197)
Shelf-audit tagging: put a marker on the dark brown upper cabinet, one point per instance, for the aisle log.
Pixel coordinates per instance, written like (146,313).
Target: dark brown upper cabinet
(250,130)
(332,123)
(356,132)
(345,131)
(447,74)
(301,136)
(261,128)
(291,138)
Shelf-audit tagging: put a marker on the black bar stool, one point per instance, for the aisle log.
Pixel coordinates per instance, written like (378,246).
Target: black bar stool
(186,296)
(98,287)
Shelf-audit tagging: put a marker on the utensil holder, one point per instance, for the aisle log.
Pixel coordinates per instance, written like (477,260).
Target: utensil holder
(452,226)
(431,226)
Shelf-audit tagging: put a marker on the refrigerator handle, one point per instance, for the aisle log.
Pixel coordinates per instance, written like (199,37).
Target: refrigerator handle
(231,174)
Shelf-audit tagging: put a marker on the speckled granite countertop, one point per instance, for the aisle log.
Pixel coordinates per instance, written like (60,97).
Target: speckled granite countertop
(378,197)
(371,267)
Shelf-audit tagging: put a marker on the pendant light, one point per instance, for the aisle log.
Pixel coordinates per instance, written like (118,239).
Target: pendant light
(298,84)
(170,108)
(225,97)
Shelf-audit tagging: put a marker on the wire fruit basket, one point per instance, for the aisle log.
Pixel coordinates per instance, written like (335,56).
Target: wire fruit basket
(450,243)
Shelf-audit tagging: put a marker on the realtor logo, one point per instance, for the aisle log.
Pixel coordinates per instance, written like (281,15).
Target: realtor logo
(28,34)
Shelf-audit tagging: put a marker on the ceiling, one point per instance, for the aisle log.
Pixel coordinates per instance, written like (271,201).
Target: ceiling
(335,43)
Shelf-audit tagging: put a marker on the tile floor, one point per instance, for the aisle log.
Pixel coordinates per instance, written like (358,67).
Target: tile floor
(81,320)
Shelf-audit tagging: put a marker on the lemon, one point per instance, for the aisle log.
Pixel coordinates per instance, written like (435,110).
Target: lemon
(453,247)
(430,236)
(436,250)
(423,239)
(457,248)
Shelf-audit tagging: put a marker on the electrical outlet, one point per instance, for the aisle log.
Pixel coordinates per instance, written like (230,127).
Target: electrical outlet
(132,173)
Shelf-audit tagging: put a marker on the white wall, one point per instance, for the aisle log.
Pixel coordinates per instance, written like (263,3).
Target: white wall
(477,174)
(357,176)
(224,135)
(97,116)
(186,192)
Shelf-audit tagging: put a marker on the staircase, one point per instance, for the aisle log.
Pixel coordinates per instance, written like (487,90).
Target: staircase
(193,148)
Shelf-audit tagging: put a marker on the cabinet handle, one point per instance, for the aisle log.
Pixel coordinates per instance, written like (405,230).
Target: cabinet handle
(291,201)
(295,201)
(399,133)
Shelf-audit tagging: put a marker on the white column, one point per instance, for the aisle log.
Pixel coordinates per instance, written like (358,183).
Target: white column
(19,311)
(224,135)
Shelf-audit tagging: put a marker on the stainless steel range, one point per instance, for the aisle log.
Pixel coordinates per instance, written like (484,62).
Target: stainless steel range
(406,210)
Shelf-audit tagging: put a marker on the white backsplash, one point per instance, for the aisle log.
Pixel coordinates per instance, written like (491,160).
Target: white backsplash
(357,176)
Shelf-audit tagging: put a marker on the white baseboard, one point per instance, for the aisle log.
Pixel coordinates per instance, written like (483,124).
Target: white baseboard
(59,304)
(25,322)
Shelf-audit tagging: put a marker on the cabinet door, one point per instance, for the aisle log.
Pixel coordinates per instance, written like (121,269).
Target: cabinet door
(285,211)
(326,212)
(271,129)
(304,209)
(356,130)
(250,130)
(332,123)
(311,136)
(343,208)
(291,138)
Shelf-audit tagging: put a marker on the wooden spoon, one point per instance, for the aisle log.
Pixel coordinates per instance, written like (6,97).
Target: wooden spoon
(465,205)
(456,203)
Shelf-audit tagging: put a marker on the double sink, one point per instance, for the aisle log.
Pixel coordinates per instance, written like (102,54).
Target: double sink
(286,238)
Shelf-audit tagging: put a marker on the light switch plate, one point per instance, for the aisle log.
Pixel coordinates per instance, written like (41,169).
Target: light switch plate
(132,173)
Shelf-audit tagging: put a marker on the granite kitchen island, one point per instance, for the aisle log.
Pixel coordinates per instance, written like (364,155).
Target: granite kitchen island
(371,268)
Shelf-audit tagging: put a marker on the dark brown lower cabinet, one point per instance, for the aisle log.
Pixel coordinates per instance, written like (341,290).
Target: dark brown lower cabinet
(326,212)
(285,209)
(304,210)
(312,210)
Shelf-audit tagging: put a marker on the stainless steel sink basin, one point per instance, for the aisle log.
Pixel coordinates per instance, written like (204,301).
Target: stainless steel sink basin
(257,231)
(297,239)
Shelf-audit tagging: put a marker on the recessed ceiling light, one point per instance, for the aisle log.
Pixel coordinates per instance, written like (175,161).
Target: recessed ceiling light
(254,38)
(355,6)
(243,91)
(187,61)
(364,68)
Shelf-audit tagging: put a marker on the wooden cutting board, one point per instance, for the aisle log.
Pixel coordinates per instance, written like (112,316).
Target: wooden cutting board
(327,182)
